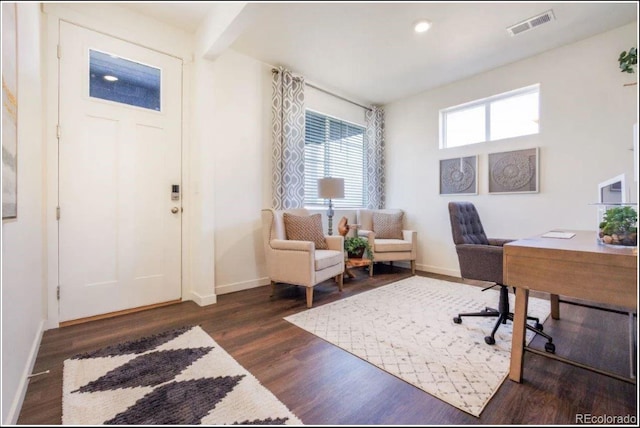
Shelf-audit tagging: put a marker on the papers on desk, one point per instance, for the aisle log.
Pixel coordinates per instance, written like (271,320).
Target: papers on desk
(561,235)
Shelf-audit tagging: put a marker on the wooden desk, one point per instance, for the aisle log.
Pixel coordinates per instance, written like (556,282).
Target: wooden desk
(577,267)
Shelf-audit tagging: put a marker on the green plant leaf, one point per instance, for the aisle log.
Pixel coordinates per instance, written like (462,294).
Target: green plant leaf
(627,59)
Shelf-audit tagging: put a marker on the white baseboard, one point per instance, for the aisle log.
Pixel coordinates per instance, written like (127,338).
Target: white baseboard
(427,268)
(201,300)
(16,406)
(260,282)
(50,324)
(441,271)
(244,285)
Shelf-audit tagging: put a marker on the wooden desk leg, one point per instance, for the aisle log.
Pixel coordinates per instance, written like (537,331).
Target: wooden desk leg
(555,306)
(519,330)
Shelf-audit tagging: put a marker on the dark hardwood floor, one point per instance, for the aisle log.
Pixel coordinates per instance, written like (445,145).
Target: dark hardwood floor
(324,385)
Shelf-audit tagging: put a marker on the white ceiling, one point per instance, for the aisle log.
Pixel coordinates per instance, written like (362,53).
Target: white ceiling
(369,52)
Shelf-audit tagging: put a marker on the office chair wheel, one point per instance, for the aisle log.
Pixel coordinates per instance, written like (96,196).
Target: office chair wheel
(489,340)
(457,320)
(539,326)
(550,347)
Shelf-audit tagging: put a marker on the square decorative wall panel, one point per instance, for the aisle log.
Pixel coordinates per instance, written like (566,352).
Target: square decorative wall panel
(459,176)
(514,172)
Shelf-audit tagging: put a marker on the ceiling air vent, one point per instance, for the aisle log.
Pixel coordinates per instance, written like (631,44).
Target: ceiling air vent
(531,23)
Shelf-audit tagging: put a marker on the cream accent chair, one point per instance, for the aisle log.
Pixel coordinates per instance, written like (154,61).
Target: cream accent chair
(387,250)
(298,262)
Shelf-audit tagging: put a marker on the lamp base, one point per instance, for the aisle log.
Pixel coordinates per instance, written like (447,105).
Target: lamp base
(330,218)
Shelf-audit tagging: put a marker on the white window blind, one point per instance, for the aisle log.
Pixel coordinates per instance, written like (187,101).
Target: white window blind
(333,148)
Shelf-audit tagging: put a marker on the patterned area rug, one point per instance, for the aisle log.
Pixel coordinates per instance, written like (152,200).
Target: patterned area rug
(406,328)
(180,377)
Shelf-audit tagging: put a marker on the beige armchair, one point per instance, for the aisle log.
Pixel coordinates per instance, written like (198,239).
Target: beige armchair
(299,262)
(387,237)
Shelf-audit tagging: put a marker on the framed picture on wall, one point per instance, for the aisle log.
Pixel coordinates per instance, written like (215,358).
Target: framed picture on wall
(459,176)
(514,172)
(9,112)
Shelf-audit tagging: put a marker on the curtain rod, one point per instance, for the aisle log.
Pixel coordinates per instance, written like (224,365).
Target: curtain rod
(275,70)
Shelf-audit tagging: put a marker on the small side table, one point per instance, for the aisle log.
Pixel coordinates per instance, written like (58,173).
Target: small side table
(354,263)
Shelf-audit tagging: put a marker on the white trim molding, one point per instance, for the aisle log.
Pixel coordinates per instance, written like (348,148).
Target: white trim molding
(243,285)
(16,405)
(201,300)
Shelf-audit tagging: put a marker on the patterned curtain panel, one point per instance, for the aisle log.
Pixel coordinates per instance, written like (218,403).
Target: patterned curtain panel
(288,140)
(374,158)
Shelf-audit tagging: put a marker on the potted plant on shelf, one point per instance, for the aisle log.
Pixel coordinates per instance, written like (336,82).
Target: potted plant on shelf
(619,226)
(356,246)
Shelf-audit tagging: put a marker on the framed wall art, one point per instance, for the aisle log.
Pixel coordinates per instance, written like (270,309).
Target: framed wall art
(9,112)
(514,172)
(459,176)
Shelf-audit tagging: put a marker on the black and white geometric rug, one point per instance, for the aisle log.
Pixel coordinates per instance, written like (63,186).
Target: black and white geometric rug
(180,377)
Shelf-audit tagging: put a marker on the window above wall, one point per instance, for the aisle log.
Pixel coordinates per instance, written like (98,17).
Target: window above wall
(507,115)
(333,148)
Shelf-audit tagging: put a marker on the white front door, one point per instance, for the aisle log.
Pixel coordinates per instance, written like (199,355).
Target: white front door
(119,156)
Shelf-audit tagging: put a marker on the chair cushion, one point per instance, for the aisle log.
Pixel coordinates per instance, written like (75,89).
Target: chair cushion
(391,245)
(387,226)
(305,228)
(328,258)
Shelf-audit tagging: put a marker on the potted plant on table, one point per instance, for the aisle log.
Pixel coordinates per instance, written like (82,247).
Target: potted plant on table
(356,246)
(619,226)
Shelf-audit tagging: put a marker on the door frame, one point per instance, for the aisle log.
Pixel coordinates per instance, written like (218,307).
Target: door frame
(52,18)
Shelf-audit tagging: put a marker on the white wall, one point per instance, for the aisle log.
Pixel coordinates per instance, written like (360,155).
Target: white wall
(322,102)
(200,170)
(23,238)
(586,136)
(239,146)
(239,116)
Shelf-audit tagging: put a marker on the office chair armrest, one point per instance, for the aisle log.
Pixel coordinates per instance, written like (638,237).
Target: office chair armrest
(499,242)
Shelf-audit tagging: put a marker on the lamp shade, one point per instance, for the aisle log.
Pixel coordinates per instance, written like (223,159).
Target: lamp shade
(331,188)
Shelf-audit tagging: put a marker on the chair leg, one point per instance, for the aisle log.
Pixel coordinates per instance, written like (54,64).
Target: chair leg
(485,313)
(309,296)
(533,329)
(371,269)
(413,267)
(273,288)
(340,279)
(490,340)
(503,315)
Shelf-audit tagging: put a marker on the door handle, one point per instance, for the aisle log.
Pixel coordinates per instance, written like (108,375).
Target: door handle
(175,210)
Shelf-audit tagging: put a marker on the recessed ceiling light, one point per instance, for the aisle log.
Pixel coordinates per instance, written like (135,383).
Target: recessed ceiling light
(422,26)
(110,78)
